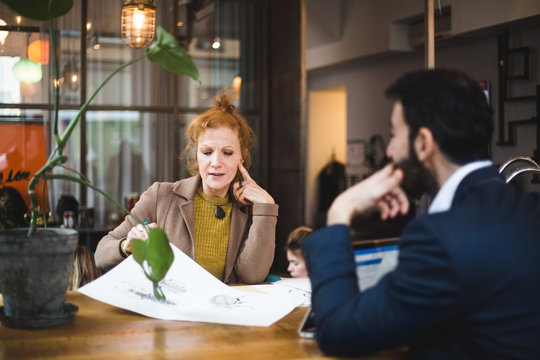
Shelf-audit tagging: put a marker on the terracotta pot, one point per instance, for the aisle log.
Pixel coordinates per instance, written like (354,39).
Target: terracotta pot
(34,277)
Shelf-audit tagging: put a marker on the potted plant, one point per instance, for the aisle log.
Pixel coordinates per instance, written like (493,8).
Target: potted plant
(35,263)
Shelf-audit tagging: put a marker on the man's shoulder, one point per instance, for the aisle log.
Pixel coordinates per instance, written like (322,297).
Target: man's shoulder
(488,213)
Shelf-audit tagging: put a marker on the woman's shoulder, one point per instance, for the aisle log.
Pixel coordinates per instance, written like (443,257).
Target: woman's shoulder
(184,187)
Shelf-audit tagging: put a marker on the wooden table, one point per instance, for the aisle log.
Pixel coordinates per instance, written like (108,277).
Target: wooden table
(101,331)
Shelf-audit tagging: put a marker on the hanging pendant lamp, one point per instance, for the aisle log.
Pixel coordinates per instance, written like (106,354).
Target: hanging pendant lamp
(38,51)
(26,70)
(138,24)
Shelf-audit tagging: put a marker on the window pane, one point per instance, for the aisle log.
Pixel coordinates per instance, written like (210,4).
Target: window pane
(233,24)
(18,46)
(127,152)
(68,28)
(141,84)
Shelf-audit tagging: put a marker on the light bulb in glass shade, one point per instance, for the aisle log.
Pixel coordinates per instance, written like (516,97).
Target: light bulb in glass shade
(27,71)
(138,23)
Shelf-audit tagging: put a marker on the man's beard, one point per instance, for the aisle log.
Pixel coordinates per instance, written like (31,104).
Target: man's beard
(417,179)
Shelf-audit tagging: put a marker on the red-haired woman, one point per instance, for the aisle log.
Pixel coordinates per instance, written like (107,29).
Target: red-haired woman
(220,216)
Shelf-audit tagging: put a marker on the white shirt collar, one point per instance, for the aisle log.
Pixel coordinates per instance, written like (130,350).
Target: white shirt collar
(445,196)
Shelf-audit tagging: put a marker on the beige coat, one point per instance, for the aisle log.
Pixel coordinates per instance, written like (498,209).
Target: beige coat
(251,239)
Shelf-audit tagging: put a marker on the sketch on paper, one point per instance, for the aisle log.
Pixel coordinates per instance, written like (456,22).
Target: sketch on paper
(132,291)
(174,286)
(192,294)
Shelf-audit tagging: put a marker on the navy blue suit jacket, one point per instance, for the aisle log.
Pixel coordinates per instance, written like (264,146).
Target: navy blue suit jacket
(467,285)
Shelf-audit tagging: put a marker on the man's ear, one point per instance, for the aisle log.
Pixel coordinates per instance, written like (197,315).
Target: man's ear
(424,144)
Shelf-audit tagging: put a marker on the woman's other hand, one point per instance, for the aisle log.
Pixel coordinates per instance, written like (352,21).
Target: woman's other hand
(137,232)
(248,192)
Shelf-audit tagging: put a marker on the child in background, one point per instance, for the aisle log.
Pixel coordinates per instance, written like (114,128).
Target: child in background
(297,265)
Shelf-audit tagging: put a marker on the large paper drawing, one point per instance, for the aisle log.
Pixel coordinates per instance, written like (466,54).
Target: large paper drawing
(192,294)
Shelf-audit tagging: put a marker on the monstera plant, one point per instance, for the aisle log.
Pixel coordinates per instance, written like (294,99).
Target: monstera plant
(155,255)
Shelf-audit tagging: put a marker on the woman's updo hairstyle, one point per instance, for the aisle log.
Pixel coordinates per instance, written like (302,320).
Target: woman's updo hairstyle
(224,113)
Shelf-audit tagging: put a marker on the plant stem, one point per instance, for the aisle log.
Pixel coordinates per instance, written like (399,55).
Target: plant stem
(56,85)
(75,120)
(45,171)
(43,211)
(38,176)
(53,161)
(158,293)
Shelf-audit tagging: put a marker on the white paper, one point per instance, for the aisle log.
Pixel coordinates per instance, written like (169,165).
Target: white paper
(299,287)
(192,294)
(300,283)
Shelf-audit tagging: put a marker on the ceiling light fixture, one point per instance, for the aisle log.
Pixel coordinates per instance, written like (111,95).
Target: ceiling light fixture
(138,24)
(38,51)
(26,70)
(216,43)
(70,75)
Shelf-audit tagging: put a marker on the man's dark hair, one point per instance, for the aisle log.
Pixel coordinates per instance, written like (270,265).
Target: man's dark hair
(452,106)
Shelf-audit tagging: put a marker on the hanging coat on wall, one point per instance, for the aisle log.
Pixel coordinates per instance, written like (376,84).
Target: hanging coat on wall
(331,182)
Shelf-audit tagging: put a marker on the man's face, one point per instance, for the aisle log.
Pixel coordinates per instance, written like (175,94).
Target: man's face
(398,147)
(417,179)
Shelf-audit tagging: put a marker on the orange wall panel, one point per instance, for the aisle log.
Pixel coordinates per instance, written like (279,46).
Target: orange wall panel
(23,151)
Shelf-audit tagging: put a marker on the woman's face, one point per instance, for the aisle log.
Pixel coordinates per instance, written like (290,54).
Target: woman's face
(218,156)
(297,265)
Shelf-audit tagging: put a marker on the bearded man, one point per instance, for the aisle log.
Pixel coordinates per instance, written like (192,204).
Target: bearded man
(467,283)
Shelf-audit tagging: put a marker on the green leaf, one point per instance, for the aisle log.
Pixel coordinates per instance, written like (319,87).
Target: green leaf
(160,255)
(171,56)
(39,9)
(139,250)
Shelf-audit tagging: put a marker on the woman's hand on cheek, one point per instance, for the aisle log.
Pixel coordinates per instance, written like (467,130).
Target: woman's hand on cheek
(247,191)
